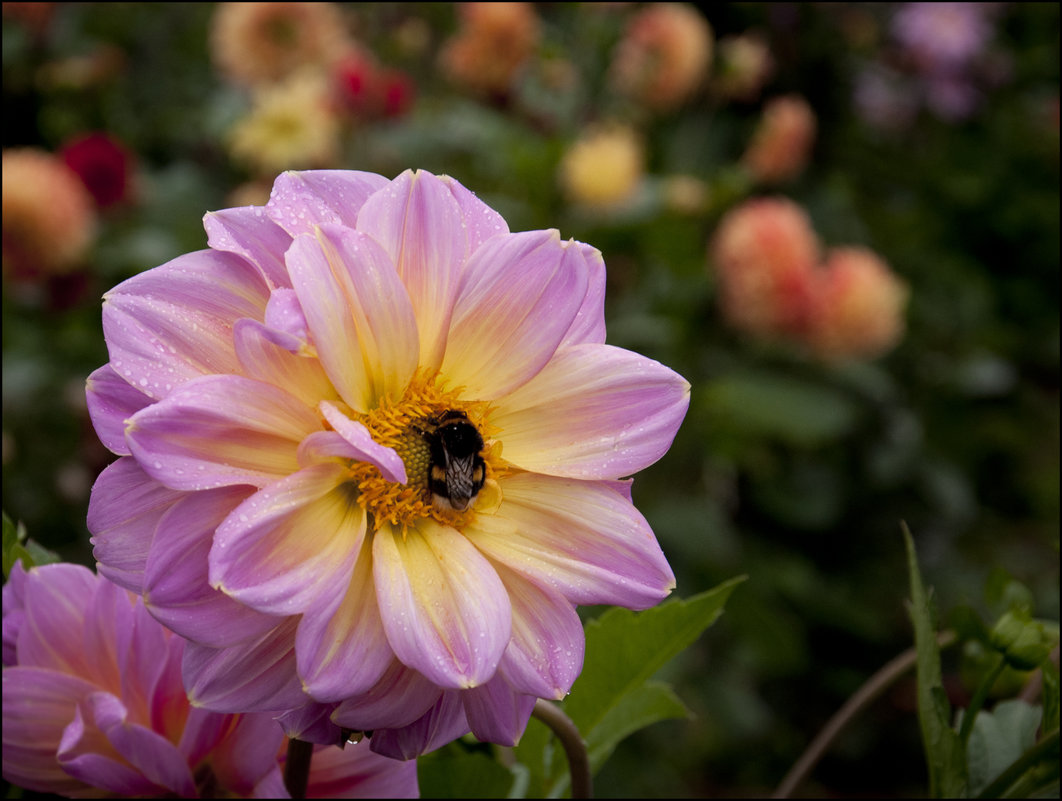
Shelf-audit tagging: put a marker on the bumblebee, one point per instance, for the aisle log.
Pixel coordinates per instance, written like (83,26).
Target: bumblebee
(457,469)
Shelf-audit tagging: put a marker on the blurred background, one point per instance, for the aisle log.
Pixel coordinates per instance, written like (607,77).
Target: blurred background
(840,222)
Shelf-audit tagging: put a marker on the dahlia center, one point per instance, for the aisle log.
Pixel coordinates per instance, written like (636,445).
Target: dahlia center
(410,425)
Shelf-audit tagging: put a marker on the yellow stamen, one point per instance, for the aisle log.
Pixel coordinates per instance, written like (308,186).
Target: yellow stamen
(401,424)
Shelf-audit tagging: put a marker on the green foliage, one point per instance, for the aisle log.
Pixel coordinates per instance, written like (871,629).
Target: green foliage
(17,547)
(944,750)
(613,696)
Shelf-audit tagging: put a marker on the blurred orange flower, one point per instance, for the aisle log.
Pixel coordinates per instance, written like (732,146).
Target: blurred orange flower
(664,56)
(494,41)
(858,310)
(49,219)
(781,144)
(254,43)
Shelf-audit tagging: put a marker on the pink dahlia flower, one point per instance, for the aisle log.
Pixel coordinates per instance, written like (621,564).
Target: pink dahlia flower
(372,448)
(93,706)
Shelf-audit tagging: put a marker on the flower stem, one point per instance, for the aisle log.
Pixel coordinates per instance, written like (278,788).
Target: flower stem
(574,746)
(297,767)
(861,698)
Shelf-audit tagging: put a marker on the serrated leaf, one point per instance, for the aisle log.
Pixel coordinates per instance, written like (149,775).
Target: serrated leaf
(624,649)
(456,772)
(998,739)
(945,755)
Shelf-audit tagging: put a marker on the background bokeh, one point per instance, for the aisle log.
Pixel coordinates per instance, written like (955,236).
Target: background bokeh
(933,143)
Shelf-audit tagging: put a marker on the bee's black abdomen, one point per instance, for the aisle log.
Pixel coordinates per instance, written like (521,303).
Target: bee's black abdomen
(457,469)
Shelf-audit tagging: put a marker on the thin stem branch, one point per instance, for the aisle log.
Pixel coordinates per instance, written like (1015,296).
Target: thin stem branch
(574,746)
(297,767)
(872,688)
(969,715)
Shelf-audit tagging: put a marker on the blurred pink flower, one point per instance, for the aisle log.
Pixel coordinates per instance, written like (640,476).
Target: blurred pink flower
(372,445)
(93,705)
(943,37)
(858,307)
(764,253)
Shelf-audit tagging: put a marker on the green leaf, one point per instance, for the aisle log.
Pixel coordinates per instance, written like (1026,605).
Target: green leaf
(998,739)
(624,649)
(945,756)
(1050,695)
(16,547)
(789,409)
(457,772)
(613,696)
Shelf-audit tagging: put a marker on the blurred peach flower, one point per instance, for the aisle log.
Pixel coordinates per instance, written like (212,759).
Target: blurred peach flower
(604,168)
(49,219)
(764,253)
(255,43)
(858,309)
(685,194)
(744,65)
(782,142)
(494,41)
(664,55)
(292,126)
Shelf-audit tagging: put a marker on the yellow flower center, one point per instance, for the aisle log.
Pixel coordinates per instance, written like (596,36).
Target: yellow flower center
(404,425)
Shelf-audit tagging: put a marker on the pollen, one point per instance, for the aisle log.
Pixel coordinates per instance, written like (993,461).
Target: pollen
(403,424)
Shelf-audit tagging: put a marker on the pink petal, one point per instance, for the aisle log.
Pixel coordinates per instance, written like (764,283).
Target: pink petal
(442,724)
(420,225)
(291,545)
(111,401)
(176,587)
(302,200)
(38,705)
(480,221)
(221,430)
(358,312)
(249,232)
(312,723)
(589,323)
(357,772)
(401,697)
(262,359)
(496,712)
(580,538)
(545,654)
(517,300)
(254,676)
(342,650)
(247,754)
(85,753)
(57,601)
(363,447)
(174,322)
(593,412)
(154,757)
(286,322)
(124,508)
(444,609)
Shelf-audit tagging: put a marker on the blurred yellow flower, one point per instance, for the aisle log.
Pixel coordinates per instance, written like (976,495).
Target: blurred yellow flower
(494,42)
(49,218)
(781,144)
(745,63)
(604,168)
(254,43)
(664,56)
(292,126)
